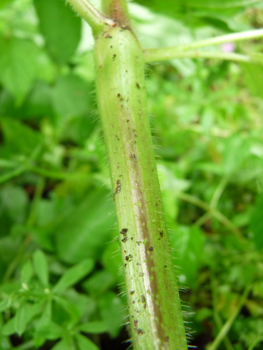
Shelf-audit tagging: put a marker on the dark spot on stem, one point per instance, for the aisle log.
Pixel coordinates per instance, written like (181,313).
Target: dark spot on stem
(132,292)
(140,331)
(123,231)
(161,234)
(138,86)
(151,249)
(117,189)
(113,57)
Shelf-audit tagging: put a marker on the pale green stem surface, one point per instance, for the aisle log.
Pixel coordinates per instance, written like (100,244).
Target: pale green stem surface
(153,300)
(164,54)
(91,15)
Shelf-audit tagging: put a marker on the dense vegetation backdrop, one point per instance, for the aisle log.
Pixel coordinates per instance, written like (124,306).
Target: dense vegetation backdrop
(56,210)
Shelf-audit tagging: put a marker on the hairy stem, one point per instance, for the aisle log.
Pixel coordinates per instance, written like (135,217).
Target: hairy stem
(94,18)
(153,300)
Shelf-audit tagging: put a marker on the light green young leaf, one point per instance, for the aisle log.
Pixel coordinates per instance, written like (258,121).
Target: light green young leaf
(41,267)
(26,272)
(85,344)
(94,327)
(73,275)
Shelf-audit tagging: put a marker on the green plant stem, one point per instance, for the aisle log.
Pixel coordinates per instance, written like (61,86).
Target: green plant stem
(213,212)
(50,173)
(152,293)
(219,190)
(118,11)
(161,54)
(11,174)
(94,18)
(216,315)
(255,342)
(155,55)
(223,5)
(225,329)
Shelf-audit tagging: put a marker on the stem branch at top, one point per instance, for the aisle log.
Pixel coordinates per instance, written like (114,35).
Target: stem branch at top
(118,11)
(95,19)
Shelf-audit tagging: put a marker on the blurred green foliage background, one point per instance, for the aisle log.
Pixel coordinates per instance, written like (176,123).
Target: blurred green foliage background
(60,269)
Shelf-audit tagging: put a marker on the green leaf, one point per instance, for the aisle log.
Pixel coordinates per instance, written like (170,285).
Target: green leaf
(71,96)
(62,345)
(18,138)
(26,272)
(191,243)
(99,282)
(60,26)
(68,307)
(74,275)
(18,68)
(84,343)
(23,316)
(4,304)
(45,328)
(41,267)
(86,229)
(112,312)
(94,327)
(256,222)
(20,320)
(236,150)
(12,211)
(51,331)
(45,318)
(253,75)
